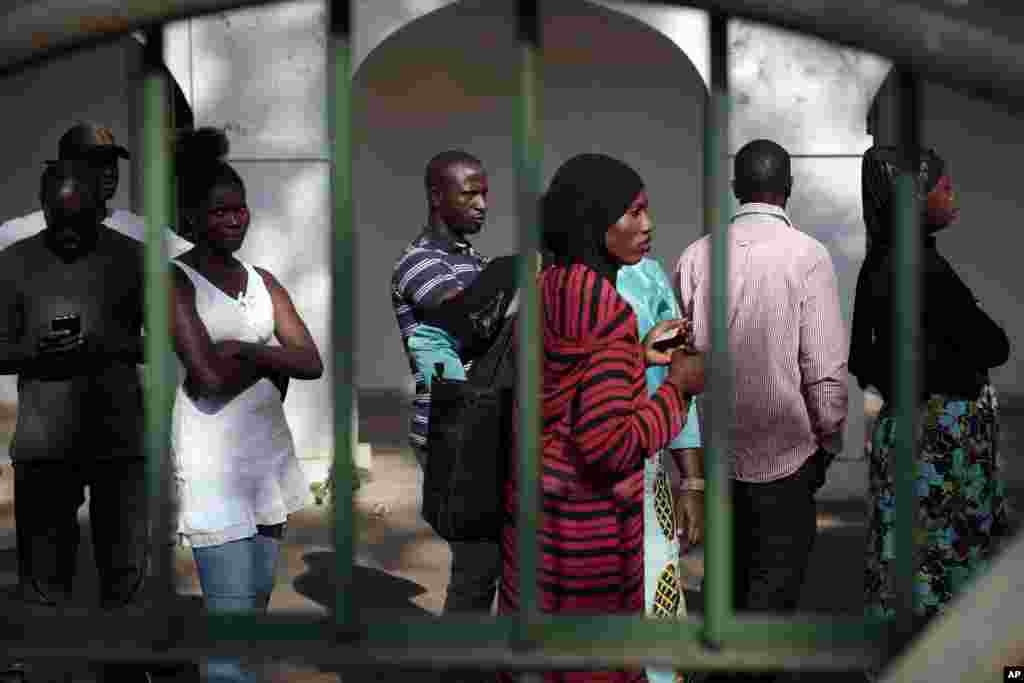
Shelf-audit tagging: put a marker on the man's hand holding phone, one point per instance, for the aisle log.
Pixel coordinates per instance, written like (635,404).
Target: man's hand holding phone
(62,336)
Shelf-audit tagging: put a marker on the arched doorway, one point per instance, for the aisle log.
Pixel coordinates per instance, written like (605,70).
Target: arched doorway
(611,83)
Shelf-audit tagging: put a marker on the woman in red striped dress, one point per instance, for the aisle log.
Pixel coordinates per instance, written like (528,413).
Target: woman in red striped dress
(598,423)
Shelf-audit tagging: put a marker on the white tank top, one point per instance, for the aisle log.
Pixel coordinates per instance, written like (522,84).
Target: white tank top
(234,457)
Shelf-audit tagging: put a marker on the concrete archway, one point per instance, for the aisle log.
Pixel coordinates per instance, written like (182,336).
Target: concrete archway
(611,83)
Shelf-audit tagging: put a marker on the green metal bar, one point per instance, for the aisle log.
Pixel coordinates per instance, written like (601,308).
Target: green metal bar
(159,367)
(718,505)
(907,344)
(398,639)
(528,144)
(531,641)
(814,631)
(611,630)
(394,627)
(343,279)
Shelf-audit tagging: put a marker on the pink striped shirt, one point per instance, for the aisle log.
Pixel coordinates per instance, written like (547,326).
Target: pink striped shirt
(787,340)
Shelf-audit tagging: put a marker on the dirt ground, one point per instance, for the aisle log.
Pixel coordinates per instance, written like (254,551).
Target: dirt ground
(403,565)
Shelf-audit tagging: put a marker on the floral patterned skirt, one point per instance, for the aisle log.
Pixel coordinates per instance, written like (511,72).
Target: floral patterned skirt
(961,502)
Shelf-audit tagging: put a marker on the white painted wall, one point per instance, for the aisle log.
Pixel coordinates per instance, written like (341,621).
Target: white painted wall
(617,87)
(261,74)
(436,74)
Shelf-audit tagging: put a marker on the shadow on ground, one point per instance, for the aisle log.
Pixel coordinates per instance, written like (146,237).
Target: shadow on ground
(373,589)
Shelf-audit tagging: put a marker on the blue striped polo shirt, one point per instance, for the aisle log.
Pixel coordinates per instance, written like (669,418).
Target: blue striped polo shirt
(428,270)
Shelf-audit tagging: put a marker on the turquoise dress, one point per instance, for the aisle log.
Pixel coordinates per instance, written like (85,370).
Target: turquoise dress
(647,289)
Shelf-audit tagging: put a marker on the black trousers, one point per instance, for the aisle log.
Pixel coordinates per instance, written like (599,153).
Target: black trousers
(47,496)
(476,568)
(473,584)
(775,525)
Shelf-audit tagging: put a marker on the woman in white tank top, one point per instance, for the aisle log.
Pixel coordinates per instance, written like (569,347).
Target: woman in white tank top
(237,474)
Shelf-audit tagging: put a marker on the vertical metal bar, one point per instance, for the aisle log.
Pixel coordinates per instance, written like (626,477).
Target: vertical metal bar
(343,308)
(906,352)
(528,144)
(159,367)
(718,549)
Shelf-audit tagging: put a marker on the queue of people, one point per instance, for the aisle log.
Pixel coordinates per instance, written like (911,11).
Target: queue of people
(622,362)
(72,331)
(622,366)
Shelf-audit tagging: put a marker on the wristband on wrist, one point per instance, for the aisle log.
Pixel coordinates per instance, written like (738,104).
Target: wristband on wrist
(691,484)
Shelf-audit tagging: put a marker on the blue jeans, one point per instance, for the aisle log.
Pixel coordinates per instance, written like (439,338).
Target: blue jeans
(238,577)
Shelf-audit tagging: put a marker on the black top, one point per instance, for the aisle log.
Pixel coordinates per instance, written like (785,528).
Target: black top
(476,315)
(960,341)
(79,411)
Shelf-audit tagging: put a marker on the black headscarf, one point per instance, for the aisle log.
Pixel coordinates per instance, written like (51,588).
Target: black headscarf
(588,194)
(880,168)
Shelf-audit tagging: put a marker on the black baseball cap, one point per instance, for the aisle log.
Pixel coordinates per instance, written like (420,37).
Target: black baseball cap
(88,140)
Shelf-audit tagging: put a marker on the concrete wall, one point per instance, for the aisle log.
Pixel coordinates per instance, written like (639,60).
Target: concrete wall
(619,78)
(261,74)
(984,148)
(44,101)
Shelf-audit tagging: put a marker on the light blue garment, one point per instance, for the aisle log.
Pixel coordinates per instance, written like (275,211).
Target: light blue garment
(430,345)
(648,291)
(236,577)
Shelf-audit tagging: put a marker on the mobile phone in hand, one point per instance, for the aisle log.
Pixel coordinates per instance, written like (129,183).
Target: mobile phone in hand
(72,324)
(668,343)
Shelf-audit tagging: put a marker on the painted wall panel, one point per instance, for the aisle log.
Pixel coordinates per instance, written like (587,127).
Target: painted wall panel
(290,237)
(261,73)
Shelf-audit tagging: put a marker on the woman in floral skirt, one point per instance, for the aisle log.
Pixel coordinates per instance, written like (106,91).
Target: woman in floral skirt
(960,499)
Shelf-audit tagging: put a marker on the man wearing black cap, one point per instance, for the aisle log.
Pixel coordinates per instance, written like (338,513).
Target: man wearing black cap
(70,329)
(96,144)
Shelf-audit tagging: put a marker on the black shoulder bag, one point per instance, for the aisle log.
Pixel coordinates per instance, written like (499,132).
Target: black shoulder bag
(468,441)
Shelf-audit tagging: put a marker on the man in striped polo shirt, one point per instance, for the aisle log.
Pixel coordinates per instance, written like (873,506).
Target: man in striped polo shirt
(788,345)
(437,266)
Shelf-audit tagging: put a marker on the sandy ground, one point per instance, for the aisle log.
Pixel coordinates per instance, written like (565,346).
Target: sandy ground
(402,564)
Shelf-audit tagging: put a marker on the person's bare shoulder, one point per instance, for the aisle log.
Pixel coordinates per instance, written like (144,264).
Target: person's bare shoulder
(268,278)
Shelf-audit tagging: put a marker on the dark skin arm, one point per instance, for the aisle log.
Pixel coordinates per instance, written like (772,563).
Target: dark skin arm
(690,504)
(297,356)
(210,368)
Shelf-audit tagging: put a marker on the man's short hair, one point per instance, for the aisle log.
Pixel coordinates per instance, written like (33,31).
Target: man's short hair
(439,165)
(762,166)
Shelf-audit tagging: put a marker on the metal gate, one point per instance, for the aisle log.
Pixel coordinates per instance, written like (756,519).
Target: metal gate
(927,38)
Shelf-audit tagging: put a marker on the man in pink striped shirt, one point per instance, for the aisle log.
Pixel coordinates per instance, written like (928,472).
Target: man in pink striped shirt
(788,345)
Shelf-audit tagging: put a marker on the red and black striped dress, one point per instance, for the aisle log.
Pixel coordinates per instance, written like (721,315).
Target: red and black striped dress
(598,426)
